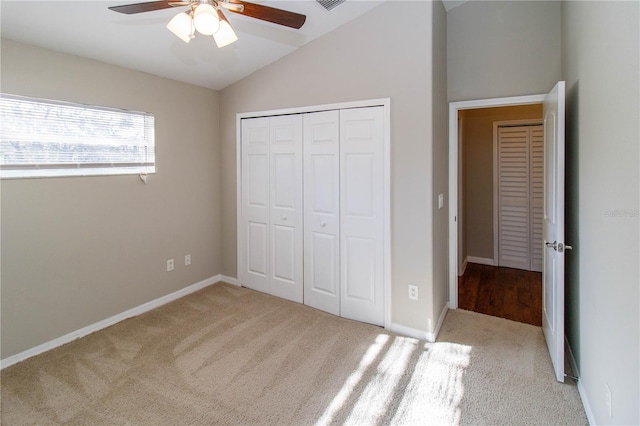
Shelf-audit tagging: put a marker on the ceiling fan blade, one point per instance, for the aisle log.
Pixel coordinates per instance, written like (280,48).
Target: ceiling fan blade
(239,8)
(270,14)
(142,7)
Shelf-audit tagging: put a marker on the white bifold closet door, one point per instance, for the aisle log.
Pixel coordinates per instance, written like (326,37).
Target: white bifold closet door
(272,203)
(344,207)
(520,197)
(313,209)
(362,214)
(322,211)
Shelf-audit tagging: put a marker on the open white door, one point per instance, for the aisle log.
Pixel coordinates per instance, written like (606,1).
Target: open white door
(553,228)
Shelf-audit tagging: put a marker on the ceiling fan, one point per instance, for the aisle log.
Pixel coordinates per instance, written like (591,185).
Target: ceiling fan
(207,18)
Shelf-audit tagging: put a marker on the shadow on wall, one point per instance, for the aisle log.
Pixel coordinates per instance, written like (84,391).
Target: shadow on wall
(572,221)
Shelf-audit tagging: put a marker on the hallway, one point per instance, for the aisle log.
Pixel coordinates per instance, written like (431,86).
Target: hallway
(502,292)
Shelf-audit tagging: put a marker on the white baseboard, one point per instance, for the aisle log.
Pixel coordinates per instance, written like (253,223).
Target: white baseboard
(228,280)
(585,402)
(441,318)
(463,267)
(145,307)
(581,391)
(409,331)
(480,260)
(420,334)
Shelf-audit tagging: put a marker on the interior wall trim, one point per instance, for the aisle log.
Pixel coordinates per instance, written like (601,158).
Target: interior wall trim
(429,336)
(107,322)
(480,260)
(581,390)
(229,280)
(409,331)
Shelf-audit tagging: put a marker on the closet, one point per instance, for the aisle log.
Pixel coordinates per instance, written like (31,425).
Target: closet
(312,220)
(520,196)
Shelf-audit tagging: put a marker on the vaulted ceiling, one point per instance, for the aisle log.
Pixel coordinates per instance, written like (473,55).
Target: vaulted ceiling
(141,42)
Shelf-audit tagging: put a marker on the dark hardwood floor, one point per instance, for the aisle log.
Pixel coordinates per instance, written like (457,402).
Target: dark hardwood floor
(502,292)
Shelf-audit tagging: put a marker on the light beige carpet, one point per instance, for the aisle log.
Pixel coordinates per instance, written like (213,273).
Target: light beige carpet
(232,356)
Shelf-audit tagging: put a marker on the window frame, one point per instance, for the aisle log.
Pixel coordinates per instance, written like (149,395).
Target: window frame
(78,169)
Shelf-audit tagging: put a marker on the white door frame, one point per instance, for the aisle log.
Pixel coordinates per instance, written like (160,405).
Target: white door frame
(386,104)
(454,107)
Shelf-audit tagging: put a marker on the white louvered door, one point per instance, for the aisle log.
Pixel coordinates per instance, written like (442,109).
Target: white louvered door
(537,196)
(520,194)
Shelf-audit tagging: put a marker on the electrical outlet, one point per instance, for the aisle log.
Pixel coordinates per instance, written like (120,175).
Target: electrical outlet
(169,265)
(608,399)
(187,259)
(413,292)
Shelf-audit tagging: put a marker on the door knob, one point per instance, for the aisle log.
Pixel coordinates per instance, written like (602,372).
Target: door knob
(284,217)
(559,247)
(323,224)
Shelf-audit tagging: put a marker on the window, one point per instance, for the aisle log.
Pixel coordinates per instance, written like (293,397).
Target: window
(43,138)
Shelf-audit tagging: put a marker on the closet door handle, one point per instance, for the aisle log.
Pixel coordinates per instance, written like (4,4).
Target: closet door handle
(323,224)
(284,217)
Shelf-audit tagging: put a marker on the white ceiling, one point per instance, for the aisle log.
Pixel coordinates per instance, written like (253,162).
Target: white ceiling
(141,42)
(450,4)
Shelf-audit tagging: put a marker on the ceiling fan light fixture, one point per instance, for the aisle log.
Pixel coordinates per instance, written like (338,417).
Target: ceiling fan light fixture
(182,26)
(225,35)
(205,19)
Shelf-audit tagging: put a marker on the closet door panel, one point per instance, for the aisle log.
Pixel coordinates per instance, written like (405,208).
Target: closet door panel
(285,180)
(361,259)
(361,217)
(255,202)
(257,237)
(322,211)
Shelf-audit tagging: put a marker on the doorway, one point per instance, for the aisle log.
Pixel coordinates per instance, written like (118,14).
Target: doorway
(459,243)
(553,221)
(500,212)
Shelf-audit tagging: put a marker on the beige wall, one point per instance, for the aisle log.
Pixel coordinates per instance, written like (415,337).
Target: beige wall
(78,250)
(503,48)
(440,160)
(370,57)
(601,65)
(477,148)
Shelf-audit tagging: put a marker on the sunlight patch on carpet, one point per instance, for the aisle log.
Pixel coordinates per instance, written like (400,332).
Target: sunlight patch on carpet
(435,389)
(376,399)
(403,381)
(354,378)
